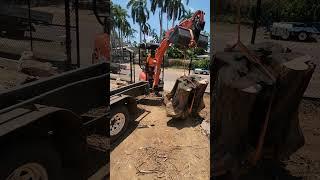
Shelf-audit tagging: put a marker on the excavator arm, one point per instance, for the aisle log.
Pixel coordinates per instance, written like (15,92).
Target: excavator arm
(185,35)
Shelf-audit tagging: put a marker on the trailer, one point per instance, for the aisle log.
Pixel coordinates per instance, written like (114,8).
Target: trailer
(44,124)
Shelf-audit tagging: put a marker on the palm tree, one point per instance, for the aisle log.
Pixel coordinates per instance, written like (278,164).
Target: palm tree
(120,23)
(155,36)
(145,30)
(139,13)
(187,15)
(160,5)
(175,9)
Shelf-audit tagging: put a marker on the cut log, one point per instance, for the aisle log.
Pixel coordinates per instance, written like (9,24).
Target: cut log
(242,95)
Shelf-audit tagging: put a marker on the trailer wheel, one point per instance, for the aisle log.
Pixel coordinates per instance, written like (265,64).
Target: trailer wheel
(285,35)
(302,36)
(31,161)
(119,121)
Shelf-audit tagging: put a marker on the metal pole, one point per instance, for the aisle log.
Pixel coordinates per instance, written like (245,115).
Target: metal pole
(30,25)
(190,64)
(256,20)
(130,54)
(68,39)
(163,70)
(134,69)
(77,31)
(239,19)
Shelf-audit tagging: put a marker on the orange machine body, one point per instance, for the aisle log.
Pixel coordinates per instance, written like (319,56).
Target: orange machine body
(101,48)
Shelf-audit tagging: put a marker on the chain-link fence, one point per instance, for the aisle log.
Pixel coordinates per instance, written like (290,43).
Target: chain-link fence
(47,28)
(123,64)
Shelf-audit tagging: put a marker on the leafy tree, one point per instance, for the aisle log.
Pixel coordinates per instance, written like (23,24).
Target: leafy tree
(175,9)
(187,15)
(139,14)
(159,4)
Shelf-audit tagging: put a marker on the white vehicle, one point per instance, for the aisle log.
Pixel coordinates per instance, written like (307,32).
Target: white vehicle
(300,31)
(201,71)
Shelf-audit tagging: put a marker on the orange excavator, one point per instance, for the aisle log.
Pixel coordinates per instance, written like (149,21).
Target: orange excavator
(185,35)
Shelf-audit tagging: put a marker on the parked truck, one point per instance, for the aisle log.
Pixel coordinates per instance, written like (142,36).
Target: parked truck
(295,30)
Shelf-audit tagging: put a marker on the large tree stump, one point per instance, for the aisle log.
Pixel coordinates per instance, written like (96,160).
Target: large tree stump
(243,93)
(186,97)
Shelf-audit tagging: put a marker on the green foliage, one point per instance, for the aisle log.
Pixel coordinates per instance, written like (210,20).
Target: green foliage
(178,63)
(275,10)
(199,51)
(181,63)
(203,63)
(174,52)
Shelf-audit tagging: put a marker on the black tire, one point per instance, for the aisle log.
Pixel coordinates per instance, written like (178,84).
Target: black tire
(286,35)
(39,152)
(116,111)
(303,36)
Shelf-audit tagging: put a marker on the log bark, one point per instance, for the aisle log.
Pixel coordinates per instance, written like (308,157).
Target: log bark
(242,94)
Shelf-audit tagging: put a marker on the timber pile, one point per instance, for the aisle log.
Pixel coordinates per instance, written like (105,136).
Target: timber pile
(242,96)
(186,97)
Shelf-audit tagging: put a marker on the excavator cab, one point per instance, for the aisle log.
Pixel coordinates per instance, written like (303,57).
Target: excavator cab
(148,50)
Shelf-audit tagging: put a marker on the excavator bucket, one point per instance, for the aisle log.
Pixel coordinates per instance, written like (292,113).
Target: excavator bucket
(186,97)
(181,37)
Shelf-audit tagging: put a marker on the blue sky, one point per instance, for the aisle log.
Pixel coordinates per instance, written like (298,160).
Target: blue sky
(193,5)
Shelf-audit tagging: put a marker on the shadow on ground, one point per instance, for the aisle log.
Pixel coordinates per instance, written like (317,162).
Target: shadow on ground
(151,101)
(183,123)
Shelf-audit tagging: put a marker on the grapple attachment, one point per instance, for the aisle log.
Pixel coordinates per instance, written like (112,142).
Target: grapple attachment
(181,37)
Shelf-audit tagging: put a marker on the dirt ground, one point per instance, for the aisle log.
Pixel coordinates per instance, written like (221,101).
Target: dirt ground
(305,163)
(158,147)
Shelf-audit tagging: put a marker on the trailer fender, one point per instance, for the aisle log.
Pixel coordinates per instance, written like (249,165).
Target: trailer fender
(125,100)
(63,126)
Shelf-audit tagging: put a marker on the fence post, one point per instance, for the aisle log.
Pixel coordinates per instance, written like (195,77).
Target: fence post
(77,31)
(256,19)
(68,39)
(30,25)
